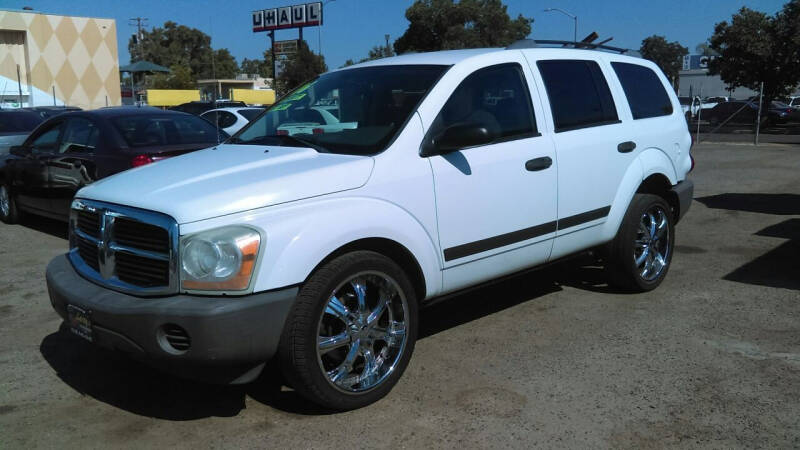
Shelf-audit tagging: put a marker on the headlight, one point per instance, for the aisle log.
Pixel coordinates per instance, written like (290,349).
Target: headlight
(222,259)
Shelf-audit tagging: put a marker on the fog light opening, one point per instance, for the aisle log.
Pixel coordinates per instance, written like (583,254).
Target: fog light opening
(174,339)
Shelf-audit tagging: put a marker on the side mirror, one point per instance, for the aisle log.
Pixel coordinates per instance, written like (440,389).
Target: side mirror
(18,150)
(457,137)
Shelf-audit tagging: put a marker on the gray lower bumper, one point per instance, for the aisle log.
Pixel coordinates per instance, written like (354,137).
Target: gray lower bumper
(231,337)
(684,190)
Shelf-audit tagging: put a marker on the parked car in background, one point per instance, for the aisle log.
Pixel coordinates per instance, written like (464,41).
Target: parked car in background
(746,112)
(231,120)
(793,102)
(17,124)
(198,108)
(313,120)
(690,106)
(710,102)
(73,150)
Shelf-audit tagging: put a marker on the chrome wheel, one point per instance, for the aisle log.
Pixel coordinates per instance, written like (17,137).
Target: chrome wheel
(651,248)
(5,202)
(362,332)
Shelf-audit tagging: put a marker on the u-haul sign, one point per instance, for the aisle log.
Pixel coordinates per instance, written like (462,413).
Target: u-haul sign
(306,15)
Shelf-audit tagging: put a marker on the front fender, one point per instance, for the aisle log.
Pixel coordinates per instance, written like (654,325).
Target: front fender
(305,236)
(299,235)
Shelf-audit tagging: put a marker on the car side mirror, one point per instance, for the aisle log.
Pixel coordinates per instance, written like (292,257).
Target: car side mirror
(458,137)
(18,150)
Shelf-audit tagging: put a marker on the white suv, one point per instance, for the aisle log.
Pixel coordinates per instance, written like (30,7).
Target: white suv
(319,248)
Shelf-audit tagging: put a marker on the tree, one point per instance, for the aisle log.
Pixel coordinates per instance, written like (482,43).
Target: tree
(179,45)
(447,24)
(704,48)
(755,48)
(666,55)
(299,68)
(377,52)
(179,77)
(261,67)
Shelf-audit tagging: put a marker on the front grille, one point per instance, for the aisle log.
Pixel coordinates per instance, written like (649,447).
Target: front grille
(141,235)
(89,253)
(127,249)
(89,223)
(141,271)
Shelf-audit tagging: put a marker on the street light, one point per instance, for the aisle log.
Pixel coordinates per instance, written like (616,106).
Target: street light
(574,17)
(319,27)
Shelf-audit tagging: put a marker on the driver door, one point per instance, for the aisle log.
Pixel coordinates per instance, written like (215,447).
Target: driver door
(496,203)
(29,177)
(73,166)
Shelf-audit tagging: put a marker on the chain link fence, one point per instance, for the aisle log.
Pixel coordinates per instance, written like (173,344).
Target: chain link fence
(754,119)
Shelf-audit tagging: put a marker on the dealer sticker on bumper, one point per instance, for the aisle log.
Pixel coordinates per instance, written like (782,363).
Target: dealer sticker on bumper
(80,322)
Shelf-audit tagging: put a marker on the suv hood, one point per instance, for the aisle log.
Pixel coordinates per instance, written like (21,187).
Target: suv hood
(231,178)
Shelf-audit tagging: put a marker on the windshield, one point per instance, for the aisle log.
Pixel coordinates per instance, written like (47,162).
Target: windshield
(354,111)
(163,129)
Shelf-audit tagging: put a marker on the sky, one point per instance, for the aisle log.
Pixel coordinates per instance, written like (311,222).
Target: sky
(352,27)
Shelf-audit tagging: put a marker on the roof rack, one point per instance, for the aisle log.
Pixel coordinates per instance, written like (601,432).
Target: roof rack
(531,43)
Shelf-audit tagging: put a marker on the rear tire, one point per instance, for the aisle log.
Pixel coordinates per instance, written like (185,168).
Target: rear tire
(8,207)
(351,331)
(638,258)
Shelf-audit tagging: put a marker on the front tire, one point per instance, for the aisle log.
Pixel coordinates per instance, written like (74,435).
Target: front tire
(351,331)
(8,207)
(639,256)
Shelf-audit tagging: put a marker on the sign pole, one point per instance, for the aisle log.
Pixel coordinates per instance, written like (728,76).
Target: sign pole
(271,35)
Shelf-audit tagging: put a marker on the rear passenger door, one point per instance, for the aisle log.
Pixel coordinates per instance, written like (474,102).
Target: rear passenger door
(593,146)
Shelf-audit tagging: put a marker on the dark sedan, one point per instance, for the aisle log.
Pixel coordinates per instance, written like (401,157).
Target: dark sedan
(745,113)
(72,150)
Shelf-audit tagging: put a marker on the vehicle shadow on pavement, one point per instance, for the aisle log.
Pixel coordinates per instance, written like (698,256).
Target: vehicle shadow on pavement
(122,382)
(53,227)
(778,267)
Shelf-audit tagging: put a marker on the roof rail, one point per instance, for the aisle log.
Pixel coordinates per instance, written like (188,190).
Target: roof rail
(531,43)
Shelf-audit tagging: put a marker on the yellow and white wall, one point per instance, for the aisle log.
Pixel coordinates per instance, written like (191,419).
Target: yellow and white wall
(75,56)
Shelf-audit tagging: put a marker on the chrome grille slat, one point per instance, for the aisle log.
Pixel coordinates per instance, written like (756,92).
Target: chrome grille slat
(125,248)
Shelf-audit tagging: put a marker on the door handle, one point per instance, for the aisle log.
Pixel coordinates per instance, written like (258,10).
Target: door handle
(626,147)
(537,164)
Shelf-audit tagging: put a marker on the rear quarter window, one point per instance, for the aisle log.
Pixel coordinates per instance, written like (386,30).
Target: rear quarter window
(645,92)
(578,93)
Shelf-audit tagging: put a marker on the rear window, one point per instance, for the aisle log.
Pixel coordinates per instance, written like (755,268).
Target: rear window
(158,130)
(18,121)
(644,90)
(578,93)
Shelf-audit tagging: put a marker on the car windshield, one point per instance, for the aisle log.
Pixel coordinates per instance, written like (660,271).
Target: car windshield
(354,111)
(159,130)
(18,121)
(779,105)
(250,114)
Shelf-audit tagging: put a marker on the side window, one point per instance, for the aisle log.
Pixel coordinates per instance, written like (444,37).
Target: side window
(225,119)
(644,90)
(495,97)
(578,92)
(47,142)
(80,136)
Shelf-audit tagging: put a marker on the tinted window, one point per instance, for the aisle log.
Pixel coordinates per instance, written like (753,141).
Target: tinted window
(250,114)
(578,92)
(495,98)
(80,135)
(46,142)
(158,130)
(374,104)
(645,92)
(18,121)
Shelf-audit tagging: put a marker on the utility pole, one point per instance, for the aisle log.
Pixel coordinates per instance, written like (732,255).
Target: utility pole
(140,23)
(388,49)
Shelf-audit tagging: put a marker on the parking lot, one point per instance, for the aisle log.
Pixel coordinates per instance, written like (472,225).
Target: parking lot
(553,358)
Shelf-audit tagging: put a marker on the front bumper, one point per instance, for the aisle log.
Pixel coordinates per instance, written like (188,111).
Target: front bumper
(231,337)
(684,190)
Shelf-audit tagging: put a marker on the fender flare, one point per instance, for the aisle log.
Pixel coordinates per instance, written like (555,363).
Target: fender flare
(650,161)
(306,234)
